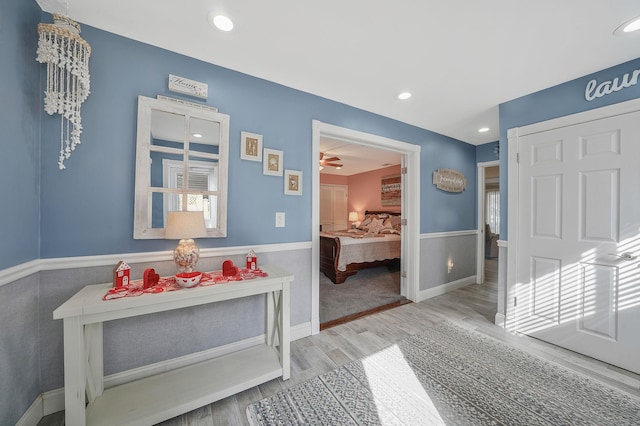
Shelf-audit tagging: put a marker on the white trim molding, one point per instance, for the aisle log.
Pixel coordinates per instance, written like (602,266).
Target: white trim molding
(448,234)
(446,287)
(503,243)
(17,272)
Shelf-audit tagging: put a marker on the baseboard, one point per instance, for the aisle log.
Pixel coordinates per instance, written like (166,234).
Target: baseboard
(445,288)
(500,320)
(53,401)
(32,416)
(300,331)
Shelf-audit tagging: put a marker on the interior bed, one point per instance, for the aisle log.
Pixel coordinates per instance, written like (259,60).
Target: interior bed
(375,242)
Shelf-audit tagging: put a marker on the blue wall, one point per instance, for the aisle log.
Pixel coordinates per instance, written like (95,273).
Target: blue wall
(487,152)
(87,209)
(558,101)
(20,108)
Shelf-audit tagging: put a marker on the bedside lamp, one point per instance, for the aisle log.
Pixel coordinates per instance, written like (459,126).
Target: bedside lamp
(185,226)
(353,217)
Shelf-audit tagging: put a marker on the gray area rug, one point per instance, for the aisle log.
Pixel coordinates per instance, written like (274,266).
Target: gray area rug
(448,376)
(368,289)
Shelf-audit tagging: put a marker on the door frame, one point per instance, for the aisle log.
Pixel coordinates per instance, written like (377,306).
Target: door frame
(513,215)
(481,219)
(410,204)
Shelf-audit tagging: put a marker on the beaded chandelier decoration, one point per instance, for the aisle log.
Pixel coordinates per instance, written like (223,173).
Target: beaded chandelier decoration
(67,57)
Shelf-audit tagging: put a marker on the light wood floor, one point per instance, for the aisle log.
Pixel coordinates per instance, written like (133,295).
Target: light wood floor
(473,307)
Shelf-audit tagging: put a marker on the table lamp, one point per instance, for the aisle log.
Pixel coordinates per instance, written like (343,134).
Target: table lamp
(353,217)
(185,226)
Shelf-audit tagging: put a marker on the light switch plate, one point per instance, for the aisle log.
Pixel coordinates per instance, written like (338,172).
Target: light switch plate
(279,219)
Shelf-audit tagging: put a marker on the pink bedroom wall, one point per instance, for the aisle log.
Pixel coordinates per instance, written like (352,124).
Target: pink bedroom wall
(333,179)
(364,191)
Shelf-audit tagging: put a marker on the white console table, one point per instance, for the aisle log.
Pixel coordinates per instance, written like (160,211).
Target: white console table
(166,395)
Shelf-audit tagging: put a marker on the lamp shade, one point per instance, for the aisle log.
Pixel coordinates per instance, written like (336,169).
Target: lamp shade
(185,225)
(353,216)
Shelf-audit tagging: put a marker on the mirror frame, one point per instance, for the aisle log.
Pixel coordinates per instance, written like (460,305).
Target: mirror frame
(143,188)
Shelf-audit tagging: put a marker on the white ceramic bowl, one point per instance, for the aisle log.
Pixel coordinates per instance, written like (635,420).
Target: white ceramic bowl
(188,279)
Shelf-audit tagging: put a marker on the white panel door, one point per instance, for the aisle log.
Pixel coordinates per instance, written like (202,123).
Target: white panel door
(333,207)
(340,207)
(326,208)
(577,270)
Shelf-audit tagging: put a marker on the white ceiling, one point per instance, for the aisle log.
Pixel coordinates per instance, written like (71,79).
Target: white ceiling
(459,58)
(356,158)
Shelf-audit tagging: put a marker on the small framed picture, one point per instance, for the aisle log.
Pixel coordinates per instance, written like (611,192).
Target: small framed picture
(250,146)
(272,162)
(293,182)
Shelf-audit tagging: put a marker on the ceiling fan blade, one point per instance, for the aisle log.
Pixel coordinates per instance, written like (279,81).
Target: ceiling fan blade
(333,164)
(330,159)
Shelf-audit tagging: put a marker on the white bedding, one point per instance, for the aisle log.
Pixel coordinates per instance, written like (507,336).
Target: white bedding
(359,250)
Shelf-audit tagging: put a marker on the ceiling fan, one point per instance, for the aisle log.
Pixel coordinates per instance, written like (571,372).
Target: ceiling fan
(330,161)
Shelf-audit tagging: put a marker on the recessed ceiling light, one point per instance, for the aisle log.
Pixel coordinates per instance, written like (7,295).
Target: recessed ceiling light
(197,135)
(483,129)
(404,95)
(628,27)
(221,22)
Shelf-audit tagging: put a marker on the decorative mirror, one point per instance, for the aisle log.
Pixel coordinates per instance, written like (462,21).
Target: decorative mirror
(181,165)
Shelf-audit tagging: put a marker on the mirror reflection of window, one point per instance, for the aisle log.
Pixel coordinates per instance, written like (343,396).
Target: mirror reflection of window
(174,140)
(203,179)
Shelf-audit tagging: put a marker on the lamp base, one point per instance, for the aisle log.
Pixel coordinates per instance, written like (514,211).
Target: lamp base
(186,255)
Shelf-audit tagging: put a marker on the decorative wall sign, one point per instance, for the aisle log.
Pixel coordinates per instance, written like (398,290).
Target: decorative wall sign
(250,146)
(188,87)
(293,182)
(449,180)
(597,90)
(391,190)
(272,162)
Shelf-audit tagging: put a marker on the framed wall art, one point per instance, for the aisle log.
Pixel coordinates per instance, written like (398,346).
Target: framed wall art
(391,190)
(272,162)
(293,182)
(250,146)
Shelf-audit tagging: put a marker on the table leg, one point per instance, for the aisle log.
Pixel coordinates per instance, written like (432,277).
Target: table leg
(94,365)
(270,320)
(74,378)
(285,331)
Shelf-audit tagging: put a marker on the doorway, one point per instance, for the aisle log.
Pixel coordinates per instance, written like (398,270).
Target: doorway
(409,268)
(488,221)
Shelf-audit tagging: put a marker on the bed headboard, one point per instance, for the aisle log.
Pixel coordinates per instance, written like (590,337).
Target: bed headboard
(391,213)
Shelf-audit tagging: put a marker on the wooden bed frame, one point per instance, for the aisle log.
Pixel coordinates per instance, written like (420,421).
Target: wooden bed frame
(330,253)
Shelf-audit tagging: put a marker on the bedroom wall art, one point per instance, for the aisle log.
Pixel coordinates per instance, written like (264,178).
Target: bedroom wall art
(391,190)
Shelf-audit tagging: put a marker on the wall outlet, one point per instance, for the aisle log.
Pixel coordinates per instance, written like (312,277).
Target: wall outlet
(279,219)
